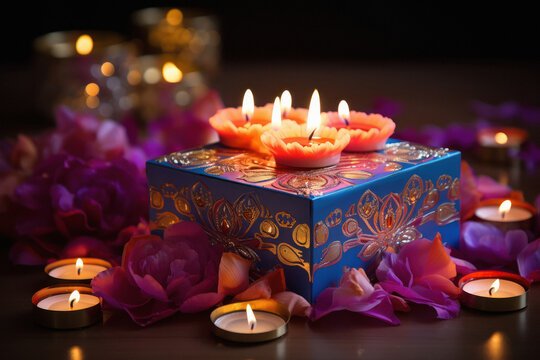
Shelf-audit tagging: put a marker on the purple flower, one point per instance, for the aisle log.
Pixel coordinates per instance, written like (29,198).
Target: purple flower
(530,154)
(355,293)
(491,189)
(68,197)
(182,129)
(528,261)
(386,107)
(159,277)
(422,273)
(490,248)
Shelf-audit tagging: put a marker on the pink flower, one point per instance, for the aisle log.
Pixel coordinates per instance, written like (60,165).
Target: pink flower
(159,277)
(528,261)
(355,293)
(422,273)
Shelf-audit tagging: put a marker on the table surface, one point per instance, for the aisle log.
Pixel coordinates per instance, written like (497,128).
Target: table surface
(431,93)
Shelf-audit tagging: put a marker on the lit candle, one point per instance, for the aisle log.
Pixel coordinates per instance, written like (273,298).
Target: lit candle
(241,128)
(66,307)
(286,103)
(368,132)
(258,320)
(496,142)
(505,216)
(309,145)
(494,291)
(248,105)
(344,112)
(80,270)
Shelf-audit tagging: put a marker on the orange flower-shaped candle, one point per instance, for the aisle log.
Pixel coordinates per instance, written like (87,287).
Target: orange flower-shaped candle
(368,132)
(308,145)
(242,127)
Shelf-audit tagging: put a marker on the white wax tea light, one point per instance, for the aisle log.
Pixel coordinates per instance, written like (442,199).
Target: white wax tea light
(481,287)
(61,302)
(238,322)
(81,269)
(492,213)
(258,320)
(66,306)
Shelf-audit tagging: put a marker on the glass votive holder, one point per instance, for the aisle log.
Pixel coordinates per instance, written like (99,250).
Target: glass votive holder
(191,34)
(84,70)
(162,85)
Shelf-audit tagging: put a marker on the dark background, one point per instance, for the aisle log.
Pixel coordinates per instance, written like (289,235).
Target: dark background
(333,30)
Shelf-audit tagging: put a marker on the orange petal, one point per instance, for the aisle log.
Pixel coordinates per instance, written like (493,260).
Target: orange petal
(439,261)
(297,305)
(233,274)
(264,287)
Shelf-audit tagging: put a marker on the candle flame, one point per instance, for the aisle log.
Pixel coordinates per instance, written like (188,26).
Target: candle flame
(494,287)
(79,265)
(248,105)
(276,115)
(171,72)
(505,208)
(286,102)
(252,321)
(343,111)
(314,113)
(74,298)
(501,138)
(84,44)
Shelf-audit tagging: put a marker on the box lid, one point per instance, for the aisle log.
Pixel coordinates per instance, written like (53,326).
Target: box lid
(260,170)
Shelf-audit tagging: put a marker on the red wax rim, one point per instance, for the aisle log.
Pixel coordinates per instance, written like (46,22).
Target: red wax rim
(510,131)
(493,274)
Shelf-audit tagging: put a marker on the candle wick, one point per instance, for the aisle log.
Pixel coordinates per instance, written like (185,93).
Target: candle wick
(312,133)
(252,326)
(71,303)
(346,121)
(503,213)
(79,271)
(491,290)
(247,117)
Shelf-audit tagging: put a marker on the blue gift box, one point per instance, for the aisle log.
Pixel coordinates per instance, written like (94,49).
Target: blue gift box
(313,223)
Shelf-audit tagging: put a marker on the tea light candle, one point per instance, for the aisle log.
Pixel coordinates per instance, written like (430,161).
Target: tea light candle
(307,145)
(253,321)
(66,306)
(494,291)
(506,215)
(76,270)
(495,143)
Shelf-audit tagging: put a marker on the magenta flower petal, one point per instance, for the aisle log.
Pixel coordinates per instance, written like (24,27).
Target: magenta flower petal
(488,247)
(528,261)
(297,305)
(201,302)
(152,311)
(355,293)
(422,273)
(113,287)
(490,188)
